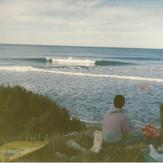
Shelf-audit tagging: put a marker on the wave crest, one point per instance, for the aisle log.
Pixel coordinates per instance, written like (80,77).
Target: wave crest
(72,62)
(85,62)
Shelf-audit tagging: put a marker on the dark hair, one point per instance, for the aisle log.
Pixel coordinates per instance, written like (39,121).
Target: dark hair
(119,101)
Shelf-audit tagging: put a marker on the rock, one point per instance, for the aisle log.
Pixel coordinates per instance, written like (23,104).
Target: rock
(97,144)
(154,154)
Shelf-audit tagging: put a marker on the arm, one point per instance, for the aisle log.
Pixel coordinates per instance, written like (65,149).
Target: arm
(128,128)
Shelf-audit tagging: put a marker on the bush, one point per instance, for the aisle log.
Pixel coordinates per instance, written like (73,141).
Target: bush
(23,112)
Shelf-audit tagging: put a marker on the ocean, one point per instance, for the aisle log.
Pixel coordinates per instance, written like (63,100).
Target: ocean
(86,79)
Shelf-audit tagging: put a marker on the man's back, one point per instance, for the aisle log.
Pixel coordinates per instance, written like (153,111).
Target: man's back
(115,126)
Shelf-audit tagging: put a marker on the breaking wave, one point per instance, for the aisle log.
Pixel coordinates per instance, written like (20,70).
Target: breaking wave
(85,62)
(41,70)
(72,61)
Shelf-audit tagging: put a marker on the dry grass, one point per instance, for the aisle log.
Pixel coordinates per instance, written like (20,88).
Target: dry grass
(57,144)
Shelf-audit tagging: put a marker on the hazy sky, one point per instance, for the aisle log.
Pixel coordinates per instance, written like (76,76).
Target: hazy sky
(112,23)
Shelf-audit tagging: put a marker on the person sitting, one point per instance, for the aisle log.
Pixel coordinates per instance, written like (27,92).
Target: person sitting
(116,125)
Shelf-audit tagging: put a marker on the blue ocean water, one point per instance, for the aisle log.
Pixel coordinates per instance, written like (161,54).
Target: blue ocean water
(86,79)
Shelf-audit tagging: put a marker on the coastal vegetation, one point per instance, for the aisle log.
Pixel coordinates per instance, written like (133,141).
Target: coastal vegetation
(24,113)
(29,118)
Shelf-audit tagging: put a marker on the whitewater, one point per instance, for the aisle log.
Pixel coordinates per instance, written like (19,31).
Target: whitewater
(32,69)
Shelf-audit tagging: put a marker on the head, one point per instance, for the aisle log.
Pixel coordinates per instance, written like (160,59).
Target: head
(119,101)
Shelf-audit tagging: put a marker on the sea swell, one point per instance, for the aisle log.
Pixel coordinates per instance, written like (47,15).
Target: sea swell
(72,61)
(111,63)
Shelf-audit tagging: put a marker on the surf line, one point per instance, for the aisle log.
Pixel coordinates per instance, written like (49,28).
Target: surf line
(32,69)
(111,76)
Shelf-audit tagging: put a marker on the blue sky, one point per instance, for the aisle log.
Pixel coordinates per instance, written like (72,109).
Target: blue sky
(111,23)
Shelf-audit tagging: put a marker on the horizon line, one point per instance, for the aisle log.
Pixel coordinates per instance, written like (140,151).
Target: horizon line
(83,46)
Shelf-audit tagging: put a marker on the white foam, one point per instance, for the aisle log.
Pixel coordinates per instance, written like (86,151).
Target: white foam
(20,69)
(71,61)
(33,69)
(48,58)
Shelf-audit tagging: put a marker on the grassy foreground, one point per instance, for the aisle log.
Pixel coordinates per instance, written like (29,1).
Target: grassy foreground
(25,116)
(58,150)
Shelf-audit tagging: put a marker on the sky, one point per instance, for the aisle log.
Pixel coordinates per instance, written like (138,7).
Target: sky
(108,23)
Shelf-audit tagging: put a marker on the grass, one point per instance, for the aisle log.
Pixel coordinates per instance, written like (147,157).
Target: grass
(57,144)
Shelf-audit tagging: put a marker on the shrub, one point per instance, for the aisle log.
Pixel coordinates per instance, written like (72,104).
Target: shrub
(23,112)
